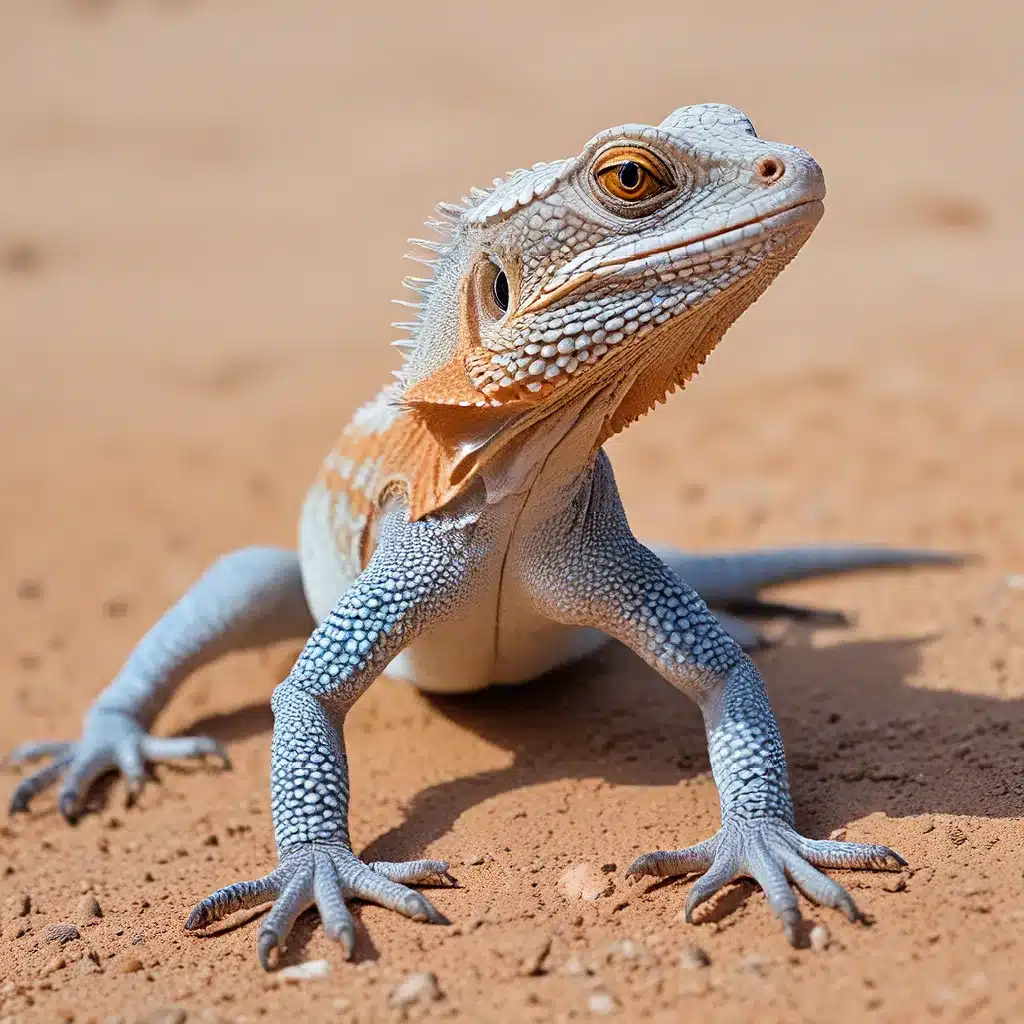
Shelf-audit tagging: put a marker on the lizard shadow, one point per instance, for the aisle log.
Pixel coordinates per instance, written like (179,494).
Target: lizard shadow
(859,738)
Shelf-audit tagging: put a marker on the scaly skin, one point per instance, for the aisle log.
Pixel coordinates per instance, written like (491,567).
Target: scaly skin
(467,523)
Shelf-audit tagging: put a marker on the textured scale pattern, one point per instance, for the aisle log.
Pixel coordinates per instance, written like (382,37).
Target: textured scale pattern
(589,569)
(467,521)
(405,586)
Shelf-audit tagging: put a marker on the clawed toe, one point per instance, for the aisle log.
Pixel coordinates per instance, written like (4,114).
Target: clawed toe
(111,742)
(830,853)
(673,863)
(35,783)
(773,854)
(327,877)
(415,872)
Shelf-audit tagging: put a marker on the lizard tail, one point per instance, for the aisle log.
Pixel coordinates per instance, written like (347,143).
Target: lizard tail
(736,576)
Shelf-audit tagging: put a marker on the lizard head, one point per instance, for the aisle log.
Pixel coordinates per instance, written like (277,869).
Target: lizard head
(620,267)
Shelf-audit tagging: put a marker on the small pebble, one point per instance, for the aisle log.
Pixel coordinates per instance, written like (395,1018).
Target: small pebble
(88,908)
(19,906)
(693,958)
(476,860)
(533,963)
(1015,581)
(602,1003)
(61,932)
(129,965)
(820,938)
(305,971)
(624,949)
(584,882)
(58,963)
(87,965)
(576,967)
(417,988)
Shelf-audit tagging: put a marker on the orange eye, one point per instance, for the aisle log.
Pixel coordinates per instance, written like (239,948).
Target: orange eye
(630,174)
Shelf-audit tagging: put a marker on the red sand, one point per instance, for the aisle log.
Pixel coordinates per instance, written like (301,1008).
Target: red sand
(204,207)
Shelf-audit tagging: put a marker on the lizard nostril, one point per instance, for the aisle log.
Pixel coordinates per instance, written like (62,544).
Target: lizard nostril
(769,169)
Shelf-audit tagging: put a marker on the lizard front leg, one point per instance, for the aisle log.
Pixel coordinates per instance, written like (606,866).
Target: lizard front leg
(417,576)
(250,597)
(586,568)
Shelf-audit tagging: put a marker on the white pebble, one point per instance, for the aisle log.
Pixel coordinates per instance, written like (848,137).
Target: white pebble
(820,938)
(307,970)
(602,1003)
(417,988)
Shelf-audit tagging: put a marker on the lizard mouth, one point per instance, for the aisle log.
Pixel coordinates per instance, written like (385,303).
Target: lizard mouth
(804,213)
(735,236)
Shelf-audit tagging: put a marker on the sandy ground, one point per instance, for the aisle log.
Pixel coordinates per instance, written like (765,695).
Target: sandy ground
(202,211)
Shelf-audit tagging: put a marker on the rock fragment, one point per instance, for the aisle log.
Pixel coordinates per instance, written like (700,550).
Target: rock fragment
(584,881)
(306,971)
(58,963)
(820,938)
(88,908)
(18,906)
(602,1004)
(62,932)
(129,965)
(417,988)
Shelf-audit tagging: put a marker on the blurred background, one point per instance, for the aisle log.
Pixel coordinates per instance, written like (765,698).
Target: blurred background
(204,205)
(203,211)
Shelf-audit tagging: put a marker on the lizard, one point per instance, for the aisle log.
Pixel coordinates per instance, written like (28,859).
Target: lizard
(466,529)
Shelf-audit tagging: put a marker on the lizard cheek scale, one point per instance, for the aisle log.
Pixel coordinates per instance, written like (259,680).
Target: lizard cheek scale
(466,529)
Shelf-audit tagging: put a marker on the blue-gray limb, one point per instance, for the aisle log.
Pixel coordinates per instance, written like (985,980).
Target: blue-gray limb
(417,576)
(586,568)
(248,598)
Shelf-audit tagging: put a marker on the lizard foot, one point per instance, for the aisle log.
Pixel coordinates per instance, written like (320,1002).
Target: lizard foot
(774,854)
(325,874)
(111,741)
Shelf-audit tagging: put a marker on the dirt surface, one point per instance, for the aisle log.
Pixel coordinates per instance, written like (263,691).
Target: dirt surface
(202,212)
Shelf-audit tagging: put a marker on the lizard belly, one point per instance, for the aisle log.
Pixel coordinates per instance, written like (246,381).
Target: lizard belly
(463,654)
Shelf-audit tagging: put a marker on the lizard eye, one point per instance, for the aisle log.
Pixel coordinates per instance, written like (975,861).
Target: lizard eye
(630,175)
(493,288)
(500,290)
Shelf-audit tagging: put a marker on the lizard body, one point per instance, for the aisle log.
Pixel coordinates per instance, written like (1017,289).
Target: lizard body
(466,528)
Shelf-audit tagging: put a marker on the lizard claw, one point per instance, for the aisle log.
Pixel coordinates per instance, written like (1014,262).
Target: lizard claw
(774,854)
(325,875)
(111,741)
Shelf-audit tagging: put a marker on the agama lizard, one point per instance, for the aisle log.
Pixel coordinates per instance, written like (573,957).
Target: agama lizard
(466,529)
